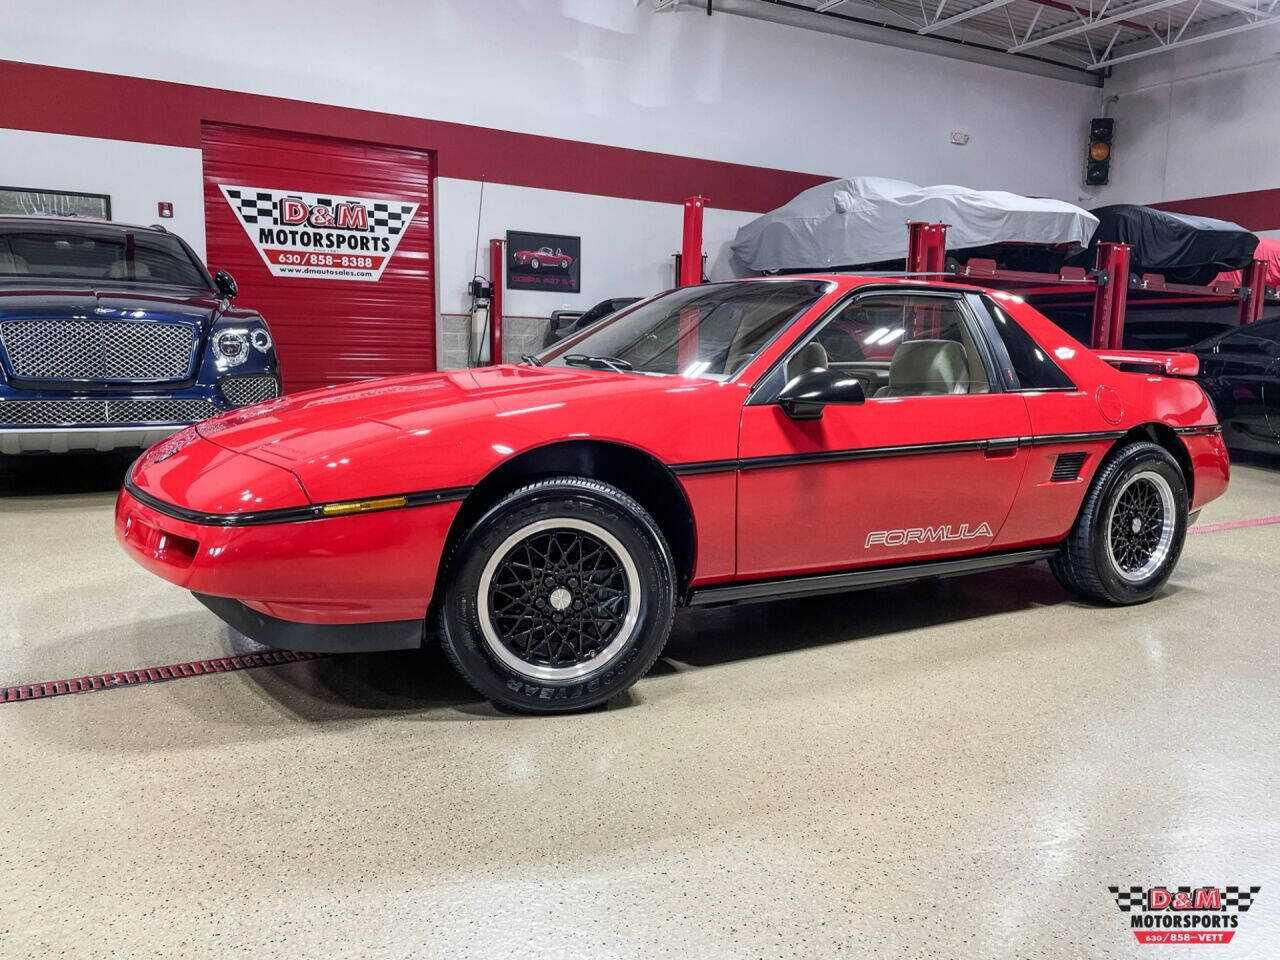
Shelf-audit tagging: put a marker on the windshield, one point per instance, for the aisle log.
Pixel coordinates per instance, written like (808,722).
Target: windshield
(706,331)
(111,255)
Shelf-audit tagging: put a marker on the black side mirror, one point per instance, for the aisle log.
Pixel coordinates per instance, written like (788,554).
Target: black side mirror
(805,395)
(226,284)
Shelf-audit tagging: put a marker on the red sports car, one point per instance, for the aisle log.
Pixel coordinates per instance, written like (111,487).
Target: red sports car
(713,444)
(542,257)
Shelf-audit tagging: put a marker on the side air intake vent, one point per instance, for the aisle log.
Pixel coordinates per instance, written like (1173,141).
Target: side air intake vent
(1067,467)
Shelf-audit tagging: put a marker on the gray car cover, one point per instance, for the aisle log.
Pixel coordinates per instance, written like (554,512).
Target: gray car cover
(864,220)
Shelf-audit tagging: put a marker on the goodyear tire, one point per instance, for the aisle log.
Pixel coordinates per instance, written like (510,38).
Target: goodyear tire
(1130,531)
(560,597)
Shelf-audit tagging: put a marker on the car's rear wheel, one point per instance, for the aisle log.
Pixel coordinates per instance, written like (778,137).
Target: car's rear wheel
(1131,528)
(564,264)
(560,597)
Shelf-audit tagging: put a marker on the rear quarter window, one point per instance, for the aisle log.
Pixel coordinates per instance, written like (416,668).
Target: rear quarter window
(1031,367)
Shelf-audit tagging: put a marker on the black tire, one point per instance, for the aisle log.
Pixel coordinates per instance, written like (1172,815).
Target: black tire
(524,547)
(1105,559)
(535,263)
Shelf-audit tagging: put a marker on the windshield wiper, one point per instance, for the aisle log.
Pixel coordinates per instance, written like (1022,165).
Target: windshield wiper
(530,359)
(616,364)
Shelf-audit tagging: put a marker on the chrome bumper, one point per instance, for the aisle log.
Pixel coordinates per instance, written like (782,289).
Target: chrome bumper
(92,439)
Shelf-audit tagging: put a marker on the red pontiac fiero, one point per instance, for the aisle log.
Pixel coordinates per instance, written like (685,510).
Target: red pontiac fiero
(713,444)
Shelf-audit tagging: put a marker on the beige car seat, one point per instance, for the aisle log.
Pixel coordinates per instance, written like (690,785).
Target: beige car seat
(812,356)
(927,367)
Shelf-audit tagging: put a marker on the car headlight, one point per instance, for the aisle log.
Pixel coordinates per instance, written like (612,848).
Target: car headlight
(260,339)
(232,346)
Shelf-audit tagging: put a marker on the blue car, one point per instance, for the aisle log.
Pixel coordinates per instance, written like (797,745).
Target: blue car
(114,336)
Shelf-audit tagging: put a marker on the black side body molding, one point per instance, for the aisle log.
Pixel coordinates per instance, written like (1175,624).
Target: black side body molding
(315,637)
(253,518)
(903,450)
(861,579)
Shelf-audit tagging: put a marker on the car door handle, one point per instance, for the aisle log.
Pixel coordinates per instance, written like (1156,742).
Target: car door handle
(1003,447)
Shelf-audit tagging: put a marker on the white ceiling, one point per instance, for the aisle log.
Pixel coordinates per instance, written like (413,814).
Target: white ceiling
(1082,35)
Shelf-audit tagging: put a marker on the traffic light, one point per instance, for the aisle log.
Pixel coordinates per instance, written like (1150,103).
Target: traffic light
(1097,168)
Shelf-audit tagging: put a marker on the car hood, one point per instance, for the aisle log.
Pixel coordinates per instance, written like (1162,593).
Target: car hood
(435,431)
(107,303)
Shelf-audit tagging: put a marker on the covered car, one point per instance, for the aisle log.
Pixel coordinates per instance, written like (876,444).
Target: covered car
(1268,250)
(862,221)
(1177,246)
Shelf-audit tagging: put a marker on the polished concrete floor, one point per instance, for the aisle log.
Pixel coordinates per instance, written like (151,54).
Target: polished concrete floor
(953,769)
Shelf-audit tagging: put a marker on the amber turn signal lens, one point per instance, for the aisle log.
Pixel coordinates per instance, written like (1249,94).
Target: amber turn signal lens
(362,506)
(1099,150)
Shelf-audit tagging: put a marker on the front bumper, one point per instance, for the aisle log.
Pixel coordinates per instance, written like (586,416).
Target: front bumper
(376,568)
(93,439)
(315,637)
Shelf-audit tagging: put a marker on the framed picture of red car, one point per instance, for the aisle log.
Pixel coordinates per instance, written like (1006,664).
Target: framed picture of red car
(543,261)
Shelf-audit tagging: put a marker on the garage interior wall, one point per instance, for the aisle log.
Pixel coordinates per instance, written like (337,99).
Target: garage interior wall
(599,71)
(1200,123)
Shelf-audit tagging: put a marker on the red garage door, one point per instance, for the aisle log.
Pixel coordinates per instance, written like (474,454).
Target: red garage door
(332,241)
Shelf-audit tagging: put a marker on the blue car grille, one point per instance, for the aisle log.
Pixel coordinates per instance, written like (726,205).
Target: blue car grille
(87,411)
(242,391)
(98,350)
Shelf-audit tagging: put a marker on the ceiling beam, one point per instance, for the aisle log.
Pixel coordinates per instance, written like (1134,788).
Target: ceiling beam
(1085,25)
(839,24)
(1198,38)
(964,15)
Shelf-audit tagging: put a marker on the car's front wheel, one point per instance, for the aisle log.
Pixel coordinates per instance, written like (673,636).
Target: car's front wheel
(535,263)
(560,597)
(1130,531)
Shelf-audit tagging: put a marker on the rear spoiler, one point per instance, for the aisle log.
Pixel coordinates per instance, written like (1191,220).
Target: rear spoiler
(1170,364)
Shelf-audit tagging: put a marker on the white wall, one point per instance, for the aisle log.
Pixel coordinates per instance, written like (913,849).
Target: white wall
(626,244)
(1197,122)
(135,175)
(607,71)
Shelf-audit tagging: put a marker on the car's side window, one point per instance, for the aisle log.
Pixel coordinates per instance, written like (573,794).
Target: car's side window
(1030,367)
(898,346)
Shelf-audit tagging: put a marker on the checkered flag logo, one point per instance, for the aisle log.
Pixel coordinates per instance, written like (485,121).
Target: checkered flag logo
(1241,898)
(1128,898)
(392,217)
(252,206)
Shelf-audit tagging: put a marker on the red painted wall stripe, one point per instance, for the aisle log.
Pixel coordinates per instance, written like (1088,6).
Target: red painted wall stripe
(87,104)
(1255,210)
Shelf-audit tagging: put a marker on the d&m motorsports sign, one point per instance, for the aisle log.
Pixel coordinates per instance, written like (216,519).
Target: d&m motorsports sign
(300,234)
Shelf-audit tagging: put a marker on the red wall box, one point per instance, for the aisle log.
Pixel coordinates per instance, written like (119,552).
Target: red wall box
(328,330)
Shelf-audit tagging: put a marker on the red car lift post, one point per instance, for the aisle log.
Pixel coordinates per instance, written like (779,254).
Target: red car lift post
(926,247)
(691,246)
(926,254)
(495,301)
(690,275)
(1111,296)
(1253,291)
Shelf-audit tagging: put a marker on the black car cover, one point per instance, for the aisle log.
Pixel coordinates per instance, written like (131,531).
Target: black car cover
(1181,248)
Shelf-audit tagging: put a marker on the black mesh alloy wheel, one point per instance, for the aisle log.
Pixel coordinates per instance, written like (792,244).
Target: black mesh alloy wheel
(1129,533)
(560,597)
